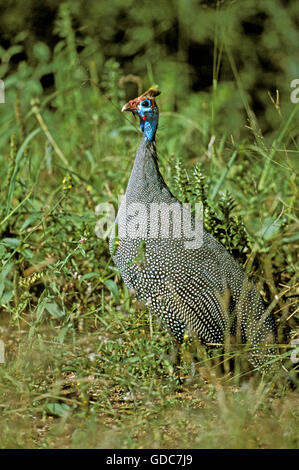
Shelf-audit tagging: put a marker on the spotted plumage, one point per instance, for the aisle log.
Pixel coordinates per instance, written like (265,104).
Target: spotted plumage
(201,290)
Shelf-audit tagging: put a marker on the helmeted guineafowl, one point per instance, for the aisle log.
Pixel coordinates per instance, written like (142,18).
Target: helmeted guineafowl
(199,289)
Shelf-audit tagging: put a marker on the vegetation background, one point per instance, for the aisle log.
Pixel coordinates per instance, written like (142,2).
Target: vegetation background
(85,365)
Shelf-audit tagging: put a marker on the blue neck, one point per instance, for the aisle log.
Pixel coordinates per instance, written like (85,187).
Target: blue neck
(149,125)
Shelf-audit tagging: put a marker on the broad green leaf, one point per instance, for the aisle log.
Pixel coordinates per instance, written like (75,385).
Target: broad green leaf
(32,218)
(112,287)
(89,276)
(58,409)
(53,310)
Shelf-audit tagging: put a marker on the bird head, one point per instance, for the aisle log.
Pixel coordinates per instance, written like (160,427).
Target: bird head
(147,110)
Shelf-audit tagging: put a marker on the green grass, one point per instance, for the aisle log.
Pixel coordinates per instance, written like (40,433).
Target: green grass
(86,366)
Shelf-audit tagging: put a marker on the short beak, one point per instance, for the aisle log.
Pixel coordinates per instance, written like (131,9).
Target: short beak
(130,106)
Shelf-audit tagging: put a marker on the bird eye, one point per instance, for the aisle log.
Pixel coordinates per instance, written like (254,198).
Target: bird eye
(145,103)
